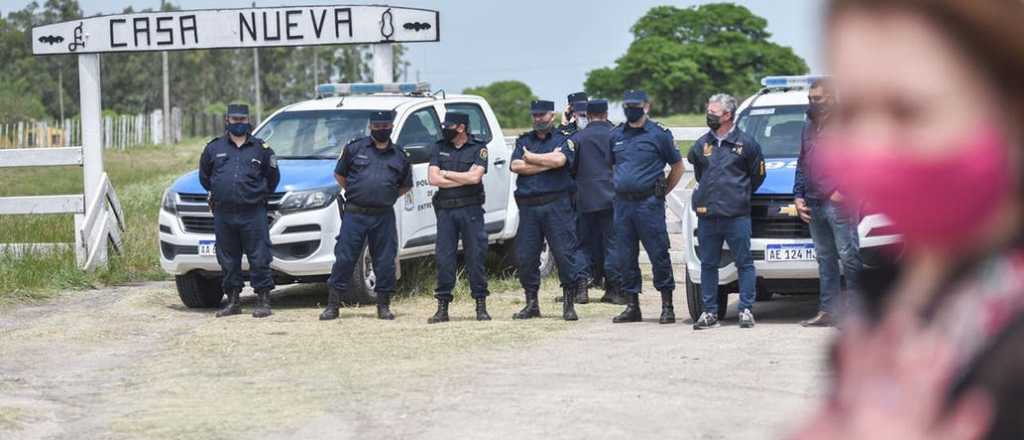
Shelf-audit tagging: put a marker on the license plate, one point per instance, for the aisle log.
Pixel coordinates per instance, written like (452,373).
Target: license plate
(207,248)
(790,252)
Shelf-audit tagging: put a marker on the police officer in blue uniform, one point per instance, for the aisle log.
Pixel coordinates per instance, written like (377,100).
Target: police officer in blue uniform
(576,108)
(729,167)
(239,172)
(374,172)
(457,168)
(594,200)
(640,149)
(543,158)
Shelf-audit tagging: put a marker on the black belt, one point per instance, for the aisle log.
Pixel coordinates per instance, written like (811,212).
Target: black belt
(459,202)
(366,210)
(540,200)
(635,196)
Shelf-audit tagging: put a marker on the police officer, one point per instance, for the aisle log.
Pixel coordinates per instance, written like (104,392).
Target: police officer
(457,168)
(729,167)
(640,149)
(374,173)
(575,110)
(240,171)
(543,159)
(594,201)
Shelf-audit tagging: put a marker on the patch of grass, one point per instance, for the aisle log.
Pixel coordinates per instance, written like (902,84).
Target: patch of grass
(683,120)
(139,177)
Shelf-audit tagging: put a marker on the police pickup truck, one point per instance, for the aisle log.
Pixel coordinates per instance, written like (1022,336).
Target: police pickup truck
(304,221)
(781,242)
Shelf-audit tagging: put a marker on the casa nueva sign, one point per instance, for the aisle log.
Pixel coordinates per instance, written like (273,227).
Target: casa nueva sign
(237,28)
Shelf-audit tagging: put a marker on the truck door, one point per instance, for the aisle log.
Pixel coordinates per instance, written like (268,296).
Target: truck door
(496,182)
(418,223)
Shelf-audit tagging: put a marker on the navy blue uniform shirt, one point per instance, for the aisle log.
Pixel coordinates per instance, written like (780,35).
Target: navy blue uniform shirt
(550,181)
(238,176)
(594,166)
(448,158)
(374,177)
(640,155)
(728,173)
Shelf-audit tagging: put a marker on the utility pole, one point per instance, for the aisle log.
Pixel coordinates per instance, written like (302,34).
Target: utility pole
(256,80)
(166,125)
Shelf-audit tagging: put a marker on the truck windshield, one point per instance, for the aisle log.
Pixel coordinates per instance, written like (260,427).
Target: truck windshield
(313,134)
(776,129)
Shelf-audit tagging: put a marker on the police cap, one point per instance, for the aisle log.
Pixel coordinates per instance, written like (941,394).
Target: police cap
(238,110)
(576,97)
(634,97)
(382,116)
(542,106)
(597,106)
(452,119)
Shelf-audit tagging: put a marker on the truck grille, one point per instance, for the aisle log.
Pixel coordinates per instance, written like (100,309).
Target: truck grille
(770,220)
(196,216)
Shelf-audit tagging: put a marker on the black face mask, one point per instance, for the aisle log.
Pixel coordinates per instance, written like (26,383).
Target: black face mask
(714,121)
(449,134)
(633,114)
(382,135)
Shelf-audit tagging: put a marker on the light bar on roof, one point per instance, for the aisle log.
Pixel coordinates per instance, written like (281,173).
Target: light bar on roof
(348,89)
(790,82)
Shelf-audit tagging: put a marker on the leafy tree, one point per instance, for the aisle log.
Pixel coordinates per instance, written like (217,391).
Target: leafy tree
(510,101)
(683,56)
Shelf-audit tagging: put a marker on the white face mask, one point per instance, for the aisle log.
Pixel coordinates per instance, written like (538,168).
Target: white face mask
(581,122)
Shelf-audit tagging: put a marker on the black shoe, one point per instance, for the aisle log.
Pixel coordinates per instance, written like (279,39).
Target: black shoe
(706,321)
(233,307)
(613,295)
(668,313)
(582,293)
(531,309)
(568,309)
(481,310)
(442,312)
(384,308)
(262,309)
(632,311)
(333,303)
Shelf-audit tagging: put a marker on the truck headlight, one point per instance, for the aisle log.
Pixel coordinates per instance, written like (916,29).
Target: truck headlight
(170,202)
(307,200)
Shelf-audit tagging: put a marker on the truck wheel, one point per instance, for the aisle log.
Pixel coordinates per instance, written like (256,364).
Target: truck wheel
(695,304)
(360,287)
(199,292)
(509,259)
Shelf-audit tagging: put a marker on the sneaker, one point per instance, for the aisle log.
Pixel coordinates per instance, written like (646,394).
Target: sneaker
(746,319)
(706,321)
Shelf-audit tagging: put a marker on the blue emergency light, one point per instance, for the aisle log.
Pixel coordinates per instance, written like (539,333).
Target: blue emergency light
(349,89)
(790,82)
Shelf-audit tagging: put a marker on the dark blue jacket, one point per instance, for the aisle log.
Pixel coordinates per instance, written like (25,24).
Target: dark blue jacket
(238,176)
(374,177)
(728,173)
(551,181)
(808,183)
(640,156)
(594,167)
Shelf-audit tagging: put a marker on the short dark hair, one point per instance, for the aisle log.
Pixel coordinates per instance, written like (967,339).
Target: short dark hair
(824,84)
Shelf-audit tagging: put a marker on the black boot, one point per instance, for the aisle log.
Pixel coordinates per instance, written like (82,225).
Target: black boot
(568,309)
(613,295)
(668,313)
(262,309)
(582,293)
(333,302)
(442,312)
(481,310)
(233,307)
(632,312)
(384,308)
(531,310)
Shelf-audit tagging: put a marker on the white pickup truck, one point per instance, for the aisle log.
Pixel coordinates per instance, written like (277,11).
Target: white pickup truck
(307,138)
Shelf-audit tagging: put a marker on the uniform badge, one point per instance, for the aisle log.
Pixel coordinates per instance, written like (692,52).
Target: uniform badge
(273,161)
(572,145)
(707,150)
(738,150)
(483,153)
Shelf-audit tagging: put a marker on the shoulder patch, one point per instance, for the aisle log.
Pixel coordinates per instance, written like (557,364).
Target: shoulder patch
(571,144)
(483,153)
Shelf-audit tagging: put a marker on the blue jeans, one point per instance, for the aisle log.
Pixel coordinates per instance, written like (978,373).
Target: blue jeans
(712,232)
(636,222)
(466,222)
(835,240)
(357,229)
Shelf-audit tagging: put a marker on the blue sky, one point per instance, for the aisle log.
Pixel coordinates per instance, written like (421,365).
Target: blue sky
(549,45)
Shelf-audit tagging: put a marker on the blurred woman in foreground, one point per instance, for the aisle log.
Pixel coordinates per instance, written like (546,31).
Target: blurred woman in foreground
(928,130)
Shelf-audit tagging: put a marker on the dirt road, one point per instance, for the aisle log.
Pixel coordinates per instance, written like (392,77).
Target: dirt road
(130,362)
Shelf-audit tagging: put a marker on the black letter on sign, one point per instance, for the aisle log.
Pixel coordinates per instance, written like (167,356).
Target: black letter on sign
(190,27)
(277,24)
(312,16)
(338,21)
(112,43)
(144,29)
(160,29)
(250,27)
(289,24)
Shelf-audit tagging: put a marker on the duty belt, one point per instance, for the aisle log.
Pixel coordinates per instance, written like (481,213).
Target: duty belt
(458,202)
(366,210)
(540,200)
(635,196)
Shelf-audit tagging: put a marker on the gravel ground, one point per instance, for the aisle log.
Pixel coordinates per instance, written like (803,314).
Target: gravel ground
(130,362)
